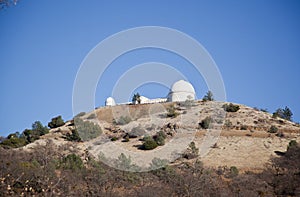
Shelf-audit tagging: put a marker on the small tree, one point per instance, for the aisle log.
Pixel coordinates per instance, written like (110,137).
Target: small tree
(285,113)
(56,122)
(208,97)
(136,99)
(39,128)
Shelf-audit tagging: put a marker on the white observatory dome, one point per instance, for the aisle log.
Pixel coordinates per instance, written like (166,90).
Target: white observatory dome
(110,102)
(181,91)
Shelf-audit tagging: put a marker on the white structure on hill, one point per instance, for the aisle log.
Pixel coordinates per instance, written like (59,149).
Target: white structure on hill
(180,92)
(110,102)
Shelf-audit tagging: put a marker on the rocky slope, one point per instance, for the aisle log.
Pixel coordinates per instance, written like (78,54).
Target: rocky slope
(240,138)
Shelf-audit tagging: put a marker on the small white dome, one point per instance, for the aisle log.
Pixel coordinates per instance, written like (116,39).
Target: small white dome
(182,86)
(110,102)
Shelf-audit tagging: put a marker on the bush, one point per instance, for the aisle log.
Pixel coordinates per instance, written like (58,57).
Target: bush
(123,120)
(87,130)
(228,123)
(56,122)
(13,142)
(204,124)
(273,129)
(74,136)
(171,112)
(114,138)
(149,144)
(208,97)
(231,107)
(71,162)
(292,144)
(234,171)
(285,113)
(92,116)
(159,138)
(39,128)
(191,152)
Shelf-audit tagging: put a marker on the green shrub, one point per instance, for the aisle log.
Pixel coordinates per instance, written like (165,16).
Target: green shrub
(13,142)
(123,120)
(204,124)
(273,129)
(171,112)
(231,107)
(285,113)
(39,128)
(74,136)
(114,138)
(188,103)
(35,132)
(92,116)
(56,122)
(292,143)
(158,163)
(208,97)
(234,171)
(159,138)
(228,123)
(191,152)
(149,144)
(71,162)
(87,130)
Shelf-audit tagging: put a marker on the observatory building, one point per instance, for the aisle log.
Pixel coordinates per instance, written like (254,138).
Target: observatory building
(110,102)
(181,91)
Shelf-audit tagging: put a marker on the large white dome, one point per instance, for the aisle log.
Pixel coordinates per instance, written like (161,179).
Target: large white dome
(182,86)
(181,91)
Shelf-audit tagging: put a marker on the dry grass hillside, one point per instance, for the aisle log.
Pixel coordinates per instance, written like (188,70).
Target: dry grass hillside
(243,138)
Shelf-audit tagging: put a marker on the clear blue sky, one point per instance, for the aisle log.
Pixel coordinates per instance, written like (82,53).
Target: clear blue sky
(256,45)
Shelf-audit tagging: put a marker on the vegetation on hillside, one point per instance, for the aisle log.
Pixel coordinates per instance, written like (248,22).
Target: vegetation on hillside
(16,140)
(86,130)
(208,97)
(285,113)
(56,122)
(231,107)
(47,172)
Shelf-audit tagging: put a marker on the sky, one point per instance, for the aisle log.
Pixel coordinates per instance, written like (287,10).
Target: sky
(255,44)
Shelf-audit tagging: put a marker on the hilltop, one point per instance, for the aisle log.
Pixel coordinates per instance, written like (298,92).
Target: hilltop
(208,147)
